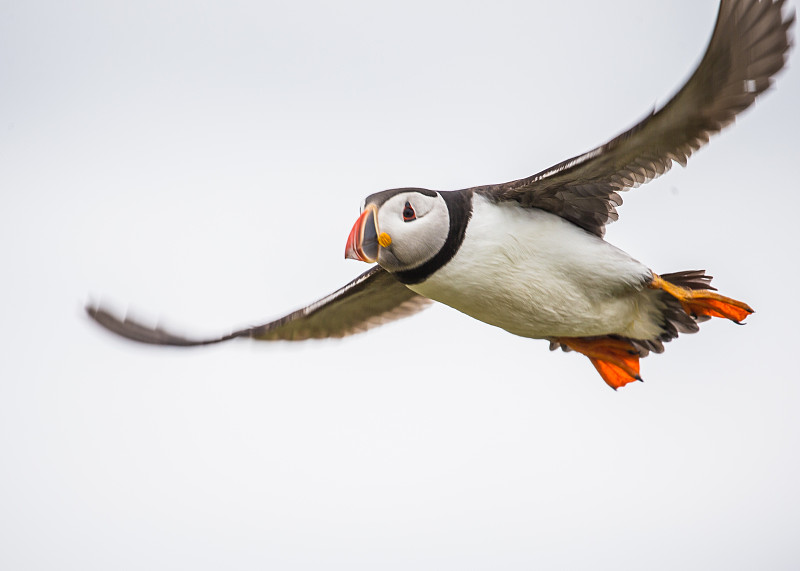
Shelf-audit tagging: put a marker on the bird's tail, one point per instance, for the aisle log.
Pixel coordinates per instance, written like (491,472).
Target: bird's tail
(688,298)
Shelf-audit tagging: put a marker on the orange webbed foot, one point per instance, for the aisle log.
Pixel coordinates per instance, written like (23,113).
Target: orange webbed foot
(704,302)
(616,360)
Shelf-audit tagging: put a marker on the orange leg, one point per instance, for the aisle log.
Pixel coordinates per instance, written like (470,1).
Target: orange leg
(616,360)
(703,301)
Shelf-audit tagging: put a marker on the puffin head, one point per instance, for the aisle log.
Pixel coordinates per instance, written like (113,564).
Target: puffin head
(400,229)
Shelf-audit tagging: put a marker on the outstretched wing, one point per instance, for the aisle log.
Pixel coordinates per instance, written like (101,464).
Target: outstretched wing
(748,47)
(372,299)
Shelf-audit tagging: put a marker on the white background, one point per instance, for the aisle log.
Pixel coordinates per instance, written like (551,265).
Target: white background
(202,163)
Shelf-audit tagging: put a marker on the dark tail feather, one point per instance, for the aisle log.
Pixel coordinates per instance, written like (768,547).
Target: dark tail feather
(690,279)
(676,320)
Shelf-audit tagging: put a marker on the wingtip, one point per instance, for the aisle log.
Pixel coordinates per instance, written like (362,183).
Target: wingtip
(134,330)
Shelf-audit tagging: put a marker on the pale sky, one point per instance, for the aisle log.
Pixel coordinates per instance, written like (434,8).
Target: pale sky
(202,163)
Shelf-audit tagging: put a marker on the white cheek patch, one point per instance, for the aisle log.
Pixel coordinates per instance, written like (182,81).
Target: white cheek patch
(416,241)
(424,204)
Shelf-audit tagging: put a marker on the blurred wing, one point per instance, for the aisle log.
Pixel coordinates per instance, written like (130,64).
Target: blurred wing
(372,299)
(747,48)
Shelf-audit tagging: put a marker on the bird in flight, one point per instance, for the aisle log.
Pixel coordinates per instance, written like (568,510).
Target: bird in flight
(528,256)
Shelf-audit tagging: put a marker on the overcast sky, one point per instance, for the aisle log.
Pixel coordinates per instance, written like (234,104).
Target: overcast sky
(202,163)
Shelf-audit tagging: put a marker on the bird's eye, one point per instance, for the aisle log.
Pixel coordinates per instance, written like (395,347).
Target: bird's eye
(408,213)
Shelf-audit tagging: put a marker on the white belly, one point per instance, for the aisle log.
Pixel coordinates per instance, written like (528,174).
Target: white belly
(536,275)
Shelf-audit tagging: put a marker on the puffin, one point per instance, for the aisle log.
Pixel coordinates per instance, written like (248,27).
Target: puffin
(528,256)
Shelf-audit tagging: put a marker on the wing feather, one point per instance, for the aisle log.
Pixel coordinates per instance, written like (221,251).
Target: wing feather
(370,300)
(747,48)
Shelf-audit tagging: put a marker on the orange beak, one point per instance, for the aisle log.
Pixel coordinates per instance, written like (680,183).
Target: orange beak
(362,243)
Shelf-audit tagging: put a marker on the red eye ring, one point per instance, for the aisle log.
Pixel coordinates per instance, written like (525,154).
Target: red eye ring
(408,213)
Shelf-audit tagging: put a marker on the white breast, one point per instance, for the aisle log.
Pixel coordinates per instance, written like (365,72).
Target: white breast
(536,275)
